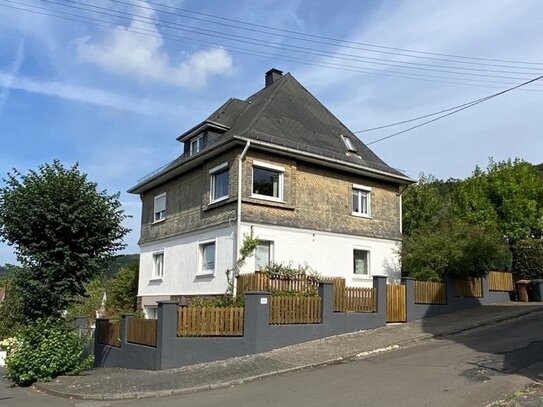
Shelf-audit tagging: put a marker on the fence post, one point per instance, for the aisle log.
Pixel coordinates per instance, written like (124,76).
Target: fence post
(326,292)
(256,319)
(484,289)
(409,284)
(124,327)
(449,289)
(166,330)
(380,285)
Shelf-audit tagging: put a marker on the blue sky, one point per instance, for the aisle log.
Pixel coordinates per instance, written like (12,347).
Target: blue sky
(114,101)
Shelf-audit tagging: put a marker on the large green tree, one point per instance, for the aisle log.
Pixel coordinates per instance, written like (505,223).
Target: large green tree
(507,196)
(63,230)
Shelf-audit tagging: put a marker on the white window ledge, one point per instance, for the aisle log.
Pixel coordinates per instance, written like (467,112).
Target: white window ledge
(205,274)
(267,198)
(158,221)
(222,198)
(361,215)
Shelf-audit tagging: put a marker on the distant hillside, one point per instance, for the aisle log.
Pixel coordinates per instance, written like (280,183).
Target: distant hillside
(121,261)
(116,263)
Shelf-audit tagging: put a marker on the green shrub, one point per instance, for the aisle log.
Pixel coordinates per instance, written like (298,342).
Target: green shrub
(528,259)
(289,271)
(221,302)
(459,250)
(45,349)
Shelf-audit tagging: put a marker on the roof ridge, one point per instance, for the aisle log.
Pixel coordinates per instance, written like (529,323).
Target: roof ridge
(265,104)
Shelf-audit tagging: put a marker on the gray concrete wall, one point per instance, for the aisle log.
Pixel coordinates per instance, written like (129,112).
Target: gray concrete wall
(454,303)
(259,336)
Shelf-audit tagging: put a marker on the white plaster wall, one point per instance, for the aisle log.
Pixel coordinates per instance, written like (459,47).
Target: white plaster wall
(329,254)
(182,263)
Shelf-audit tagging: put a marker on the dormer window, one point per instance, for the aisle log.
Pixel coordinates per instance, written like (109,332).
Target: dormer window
(197,144)
(349,144)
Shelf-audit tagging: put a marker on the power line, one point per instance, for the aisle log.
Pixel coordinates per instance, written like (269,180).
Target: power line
(337,43)
(293,48)
(455,111)
(246,51)
(405,50)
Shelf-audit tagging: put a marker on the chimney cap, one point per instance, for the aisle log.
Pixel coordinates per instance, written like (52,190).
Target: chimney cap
(272,75)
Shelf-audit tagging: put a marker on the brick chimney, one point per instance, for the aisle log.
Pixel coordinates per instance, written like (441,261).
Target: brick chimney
(272,75)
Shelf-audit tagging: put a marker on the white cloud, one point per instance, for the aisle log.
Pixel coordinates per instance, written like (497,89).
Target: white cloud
(12,74)
(144,56)
(87,95)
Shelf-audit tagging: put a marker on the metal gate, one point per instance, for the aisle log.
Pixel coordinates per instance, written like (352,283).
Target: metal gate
(396,299)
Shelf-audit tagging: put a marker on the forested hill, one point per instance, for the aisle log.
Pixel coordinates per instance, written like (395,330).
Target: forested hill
(116,263)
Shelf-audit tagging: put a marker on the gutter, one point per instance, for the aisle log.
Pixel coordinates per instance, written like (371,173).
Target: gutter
(238,214)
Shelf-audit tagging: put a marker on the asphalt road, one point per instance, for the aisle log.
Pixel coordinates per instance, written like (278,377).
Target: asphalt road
(470,369)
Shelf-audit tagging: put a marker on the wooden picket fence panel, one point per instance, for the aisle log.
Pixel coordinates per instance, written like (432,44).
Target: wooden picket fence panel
(295,310)
(141,331)
(265,282)
(109,332)
(355,299)
(428,292)
(210,321)
(500,281)
(396,303)
(468,287)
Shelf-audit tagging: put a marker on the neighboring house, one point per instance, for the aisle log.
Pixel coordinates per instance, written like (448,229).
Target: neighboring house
(277,164)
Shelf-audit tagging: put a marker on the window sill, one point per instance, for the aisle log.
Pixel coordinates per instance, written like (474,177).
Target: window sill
(267,198)
(221,199)
(361,215)
(218,203)
(158,221)
(156,279)
(205,274)
(267,202)
(362,277)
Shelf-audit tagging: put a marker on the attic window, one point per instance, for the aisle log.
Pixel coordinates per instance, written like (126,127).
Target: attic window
(349,144)
(197,144)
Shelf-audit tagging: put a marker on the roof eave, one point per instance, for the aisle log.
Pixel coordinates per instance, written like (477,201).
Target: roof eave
(339,164)
(201,127)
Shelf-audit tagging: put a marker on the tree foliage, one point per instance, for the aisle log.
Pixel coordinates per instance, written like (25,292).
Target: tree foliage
(122,292)
(528,258)
(64,231)
(459,250)
(504,201)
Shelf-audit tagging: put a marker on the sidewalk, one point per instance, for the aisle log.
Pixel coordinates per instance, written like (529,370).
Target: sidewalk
(116,384)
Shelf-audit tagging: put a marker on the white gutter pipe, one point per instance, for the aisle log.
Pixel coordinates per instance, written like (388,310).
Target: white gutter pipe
(238,215)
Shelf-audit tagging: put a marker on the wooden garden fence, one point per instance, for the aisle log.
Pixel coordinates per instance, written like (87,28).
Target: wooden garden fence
(109,332)
(500,281)
(355,299)
(265,282)
(142,331)
(427,292)
(295,310)
(210,321)
(468,287)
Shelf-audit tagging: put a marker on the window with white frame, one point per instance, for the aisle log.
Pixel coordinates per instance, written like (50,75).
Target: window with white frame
(159,208)
(197,144)
(207,258)
(158,265)
(219,183)
(361,200)
(361,260)
(268,181)
(263,254)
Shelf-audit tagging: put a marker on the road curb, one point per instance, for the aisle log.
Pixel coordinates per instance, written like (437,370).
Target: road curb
(230,383)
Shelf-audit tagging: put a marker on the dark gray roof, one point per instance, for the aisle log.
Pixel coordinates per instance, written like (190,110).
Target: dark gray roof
(286,113)
(283,114)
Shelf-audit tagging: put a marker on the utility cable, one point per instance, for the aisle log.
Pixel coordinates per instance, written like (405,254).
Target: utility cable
(455,111)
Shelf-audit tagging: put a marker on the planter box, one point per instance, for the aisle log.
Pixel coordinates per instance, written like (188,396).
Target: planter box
(3,354)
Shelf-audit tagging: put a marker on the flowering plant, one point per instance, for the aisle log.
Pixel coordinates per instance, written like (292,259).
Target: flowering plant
(8,344)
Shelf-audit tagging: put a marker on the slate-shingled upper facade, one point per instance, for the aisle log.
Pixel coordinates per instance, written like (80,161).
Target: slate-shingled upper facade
(310,190)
